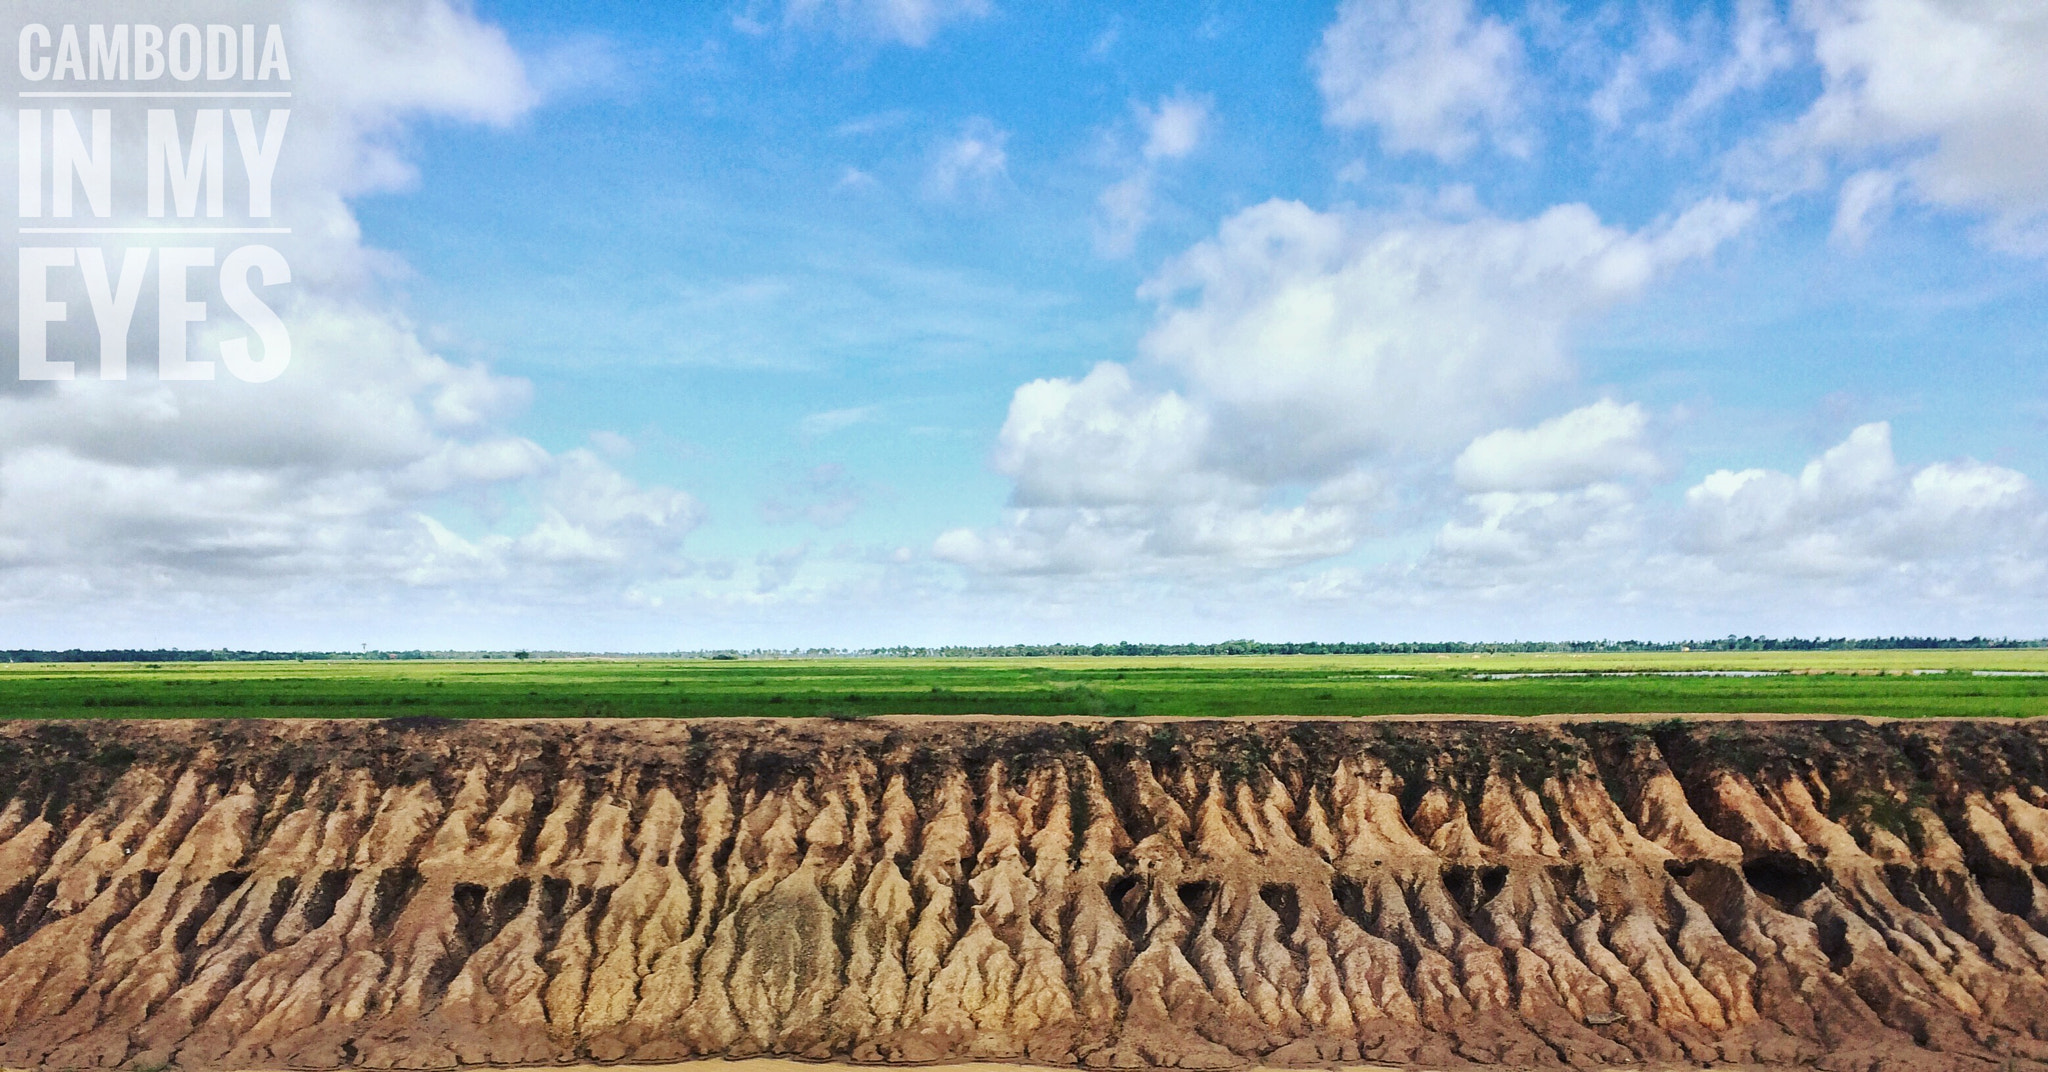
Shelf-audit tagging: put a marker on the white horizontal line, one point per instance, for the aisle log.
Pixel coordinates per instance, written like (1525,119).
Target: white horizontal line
(157,95)
(156,230)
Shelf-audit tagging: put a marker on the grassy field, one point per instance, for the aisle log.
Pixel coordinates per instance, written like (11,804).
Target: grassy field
(1888,683)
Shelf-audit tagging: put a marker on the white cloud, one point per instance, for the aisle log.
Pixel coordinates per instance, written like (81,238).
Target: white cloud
(1303,350)
(1123,209)
(1955,86)
(1553,510)
(1327,335)
(1865,199)
(1658,49)
(379,61)
(1110,476)
(853,178)
(1171,131)
(1174,129)
(1510,533)
(1044,542)
(611,444)
(1603,441)
(826,422)
(971,162)
(373,467)
(1102,441)
(1855,511)
(581,67)
(1127,541)
(1427,74)
(1675,76)
(1852,542)
(1759,46)
(908,22)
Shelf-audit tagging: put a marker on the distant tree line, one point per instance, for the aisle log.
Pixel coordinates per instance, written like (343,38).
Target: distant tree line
(1456,647)
(1127,648)
(178,655)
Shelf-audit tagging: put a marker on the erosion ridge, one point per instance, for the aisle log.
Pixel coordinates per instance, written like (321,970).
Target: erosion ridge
(416,894)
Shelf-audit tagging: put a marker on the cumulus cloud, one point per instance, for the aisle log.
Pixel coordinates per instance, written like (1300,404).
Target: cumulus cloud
(1854,510)
(1955,86)
(594,527)
(1429,75)
(378,62)
(1212,537)
(1102,440)
(1554,510)
(1853,530)
(1039,542)
(1318,336)
(1603,441)
(1169,132)
(1112,476)
(373,468)
(1507,534)
(1298,350)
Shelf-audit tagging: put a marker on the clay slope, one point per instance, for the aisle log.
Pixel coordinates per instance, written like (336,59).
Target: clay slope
(420,895)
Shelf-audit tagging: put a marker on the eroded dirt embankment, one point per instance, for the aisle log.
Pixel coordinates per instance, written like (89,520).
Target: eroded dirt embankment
(1201,895)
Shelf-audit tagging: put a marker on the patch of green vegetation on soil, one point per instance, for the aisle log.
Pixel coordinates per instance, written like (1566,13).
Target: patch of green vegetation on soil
(1886,683)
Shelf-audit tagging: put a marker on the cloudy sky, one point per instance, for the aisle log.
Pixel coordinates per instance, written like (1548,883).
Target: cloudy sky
(862,322)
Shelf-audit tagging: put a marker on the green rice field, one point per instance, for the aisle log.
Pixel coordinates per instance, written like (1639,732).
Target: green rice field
(1905,684)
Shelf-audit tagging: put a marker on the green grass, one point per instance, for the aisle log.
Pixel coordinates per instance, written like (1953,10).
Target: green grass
(1861,683)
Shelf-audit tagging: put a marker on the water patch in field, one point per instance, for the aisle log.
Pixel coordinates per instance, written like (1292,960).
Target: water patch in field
(1629,673)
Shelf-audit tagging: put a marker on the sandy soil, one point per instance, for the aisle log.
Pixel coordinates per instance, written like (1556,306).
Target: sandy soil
(769,1064)
(1540,720)
(1748,892)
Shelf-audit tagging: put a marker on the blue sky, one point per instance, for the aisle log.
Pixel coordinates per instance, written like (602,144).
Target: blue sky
(857,322)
